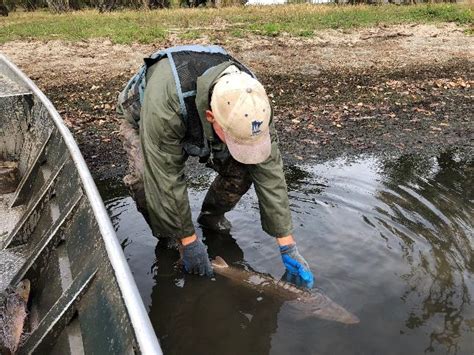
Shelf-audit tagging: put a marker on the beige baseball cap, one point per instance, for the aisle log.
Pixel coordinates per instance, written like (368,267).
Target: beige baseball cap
(241,107)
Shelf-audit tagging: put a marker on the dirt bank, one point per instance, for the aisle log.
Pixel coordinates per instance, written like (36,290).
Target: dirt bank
(391,90)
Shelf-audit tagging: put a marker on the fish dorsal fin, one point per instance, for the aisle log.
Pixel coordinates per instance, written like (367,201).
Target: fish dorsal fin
(219,262)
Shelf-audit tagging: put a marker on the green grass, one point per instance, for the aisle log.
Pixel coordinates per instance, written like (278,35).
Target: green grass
(237,33)
(155,26)
(191,35)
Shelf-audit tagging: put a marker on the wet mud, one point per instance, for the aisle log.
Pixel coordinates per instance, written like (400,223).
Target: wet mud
(413,110)
(340,93)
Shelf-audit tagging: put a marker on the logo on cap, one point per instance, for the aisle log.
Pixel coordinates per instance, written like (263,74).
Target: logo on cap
(256,127)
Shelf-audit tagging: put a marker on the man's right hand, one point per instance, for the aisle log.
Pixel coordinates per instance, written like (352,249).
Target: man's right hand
(196,259)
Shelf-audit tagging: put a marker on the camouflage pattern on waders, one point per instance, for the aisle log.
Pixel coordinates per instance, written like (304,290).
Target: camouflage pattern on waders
(128,132)
(154,136)
(228,187)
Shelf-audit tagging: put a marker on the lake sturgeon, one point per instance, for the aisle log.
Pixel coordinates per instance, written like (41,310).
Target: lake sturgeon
(308,303)
(56,232)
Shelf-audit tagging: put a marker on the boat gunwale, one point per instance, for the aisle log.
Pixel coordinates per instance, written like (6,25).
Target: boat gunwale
(143,330)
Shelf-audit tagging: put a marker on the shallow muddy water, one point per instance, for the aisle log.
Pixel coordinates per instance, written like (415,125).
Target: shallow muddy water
(390,240)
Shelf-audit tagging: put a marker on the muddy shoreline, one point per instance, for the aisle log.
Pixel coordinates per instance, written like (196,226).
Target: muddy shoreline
(336,106)
(417,111)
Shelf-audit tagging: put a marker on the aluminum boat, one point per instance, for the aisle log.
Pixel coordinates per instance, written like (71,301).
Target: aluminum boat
(55,232)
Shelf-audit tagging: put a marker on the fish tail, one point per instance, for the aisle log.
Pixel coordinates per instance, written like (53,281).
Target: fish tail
(219,262)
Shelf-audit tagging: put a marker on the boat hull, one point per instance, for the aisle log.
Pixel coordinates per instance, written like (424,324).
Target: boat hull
(55,232)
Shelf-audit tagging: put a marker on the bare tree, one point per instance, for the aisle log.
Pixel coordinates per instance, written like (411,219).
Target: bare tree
(30,5)
(3,9)
(156,4)
(107,5)
(58,5)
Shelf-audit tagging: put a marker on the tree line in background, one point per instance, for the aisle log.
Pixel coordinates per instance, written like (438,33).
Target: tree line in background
(71,5)
(59,6)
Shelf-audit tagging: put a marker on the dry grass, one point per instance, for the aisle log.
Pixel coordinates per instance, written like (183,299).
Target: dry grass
(155,26)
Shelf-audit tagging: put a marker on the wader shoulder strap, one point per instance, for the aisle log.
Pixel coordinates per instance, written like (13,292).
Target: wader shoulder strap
(187,64)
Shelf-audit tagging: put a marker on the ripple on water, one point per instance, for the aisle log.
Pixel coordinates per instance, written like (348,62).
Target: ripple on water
(390,240)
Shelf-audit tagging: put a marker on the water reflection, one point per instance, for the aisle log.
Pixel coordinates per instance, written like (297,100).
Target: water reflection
(390,240)
(210,316)
(298,179)
(433,200)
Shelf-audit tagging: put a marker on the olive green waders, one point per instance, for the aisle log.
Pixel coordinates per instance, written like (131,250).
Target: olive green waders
(231,183)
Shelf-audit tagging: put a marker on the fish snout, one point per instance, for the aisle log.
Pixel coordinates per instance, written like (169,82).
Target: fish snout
(352,319)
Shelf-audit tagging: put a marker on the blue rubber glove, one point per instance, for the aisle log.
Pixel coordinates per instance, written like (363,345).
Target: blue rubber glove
(196,259)
(296,265)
